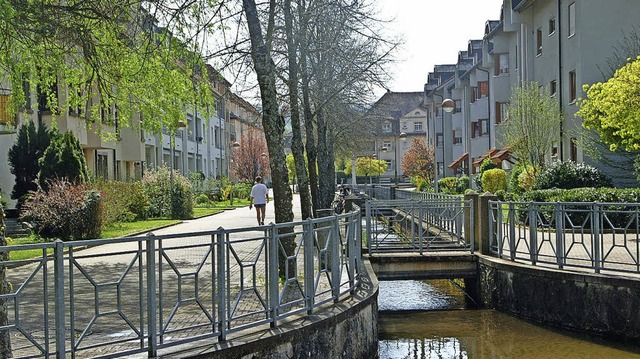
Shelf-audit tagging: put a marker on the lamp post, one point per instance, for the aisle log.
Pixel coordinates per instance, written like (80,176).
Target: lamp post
(402,136)
(448,105)
(172,144)
(369,170)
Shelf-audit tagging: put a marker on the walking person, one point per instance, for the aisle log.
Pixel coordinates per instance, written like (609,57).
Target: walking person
(259,198)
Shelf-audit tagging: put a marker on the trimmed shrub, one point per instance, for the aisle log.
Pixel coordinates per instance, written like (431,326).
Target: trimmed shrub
(448,185)
(202,199)
(463,184)
(568,174)
(494,180)
(165,201)
(486,165)
(241,190)
(421,184)
(122,201)
(67,210)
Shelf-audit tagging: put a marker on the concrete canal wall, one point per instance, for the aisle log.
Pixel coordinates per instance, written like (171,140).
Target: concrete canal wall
(347,329)
(592,303)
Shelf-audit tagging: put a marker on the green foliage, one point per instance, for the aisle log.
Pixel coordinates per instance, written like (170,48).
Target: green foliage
(463,185)
(530,130)
(611,108)
(421,184)
(419,160)
(494,180)
(24,156)
(486,165)
(241,190)
(448,185)
(198,182)
(165,201)
(568,174)
(66,210)
(63,159)
(47,44)
(602,195)
(122,201)
(367,166)
(514,181)
(202,199)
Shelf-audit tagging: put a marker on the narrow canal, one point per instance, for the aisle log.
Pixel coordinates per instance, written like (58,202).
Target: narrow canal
(434,319)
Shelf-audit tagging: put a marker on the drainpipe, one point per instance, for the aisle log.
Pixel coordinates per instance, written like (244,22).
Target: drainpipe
(560,87)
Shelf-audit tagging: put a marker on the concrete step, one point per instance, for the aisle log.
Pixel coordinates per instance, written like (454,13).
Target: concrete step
(15,229)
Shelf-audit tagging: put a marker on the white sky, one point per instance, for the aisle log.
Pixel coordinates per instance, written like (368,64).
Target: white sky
(434,31)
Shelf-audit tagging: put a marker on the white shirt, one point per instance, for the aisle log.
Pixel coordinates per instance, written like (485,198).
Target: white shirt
(259,193)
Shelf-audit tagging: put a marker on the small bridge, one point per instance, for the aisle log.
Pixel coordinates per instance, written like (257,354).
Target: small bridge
(424,238)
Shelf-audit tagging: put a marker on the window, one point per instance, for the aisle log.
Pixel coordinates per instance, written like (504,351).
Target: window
(572,19)
(474,129)
(501,64)
(440,169)
(387,145)
(553,88)
(483,126)
(502,111)
(458,106)
(474,94)
(457,136)
(386,127)
(483,88)
(574,149)
(572,86)
(417,126)
(439,139)
(516,53)
(539,42)
(102,165)
(4,110)
(552,26)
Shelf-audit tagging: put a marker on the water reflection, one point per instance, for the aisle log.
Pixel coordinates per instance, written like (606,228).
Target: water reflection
(471,333)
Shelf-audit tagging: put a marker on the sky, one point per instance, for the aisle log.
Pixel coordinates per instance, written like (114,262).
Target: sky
(434,32)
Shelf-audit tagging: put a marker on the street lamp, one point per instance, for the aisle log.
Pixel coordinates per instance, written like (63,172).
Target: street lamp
(172,142)
(448,105)
(369,171)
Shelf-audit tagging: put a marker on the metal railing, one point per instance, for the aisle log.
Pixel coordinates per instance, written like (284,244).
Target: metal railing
(116,297)
(444,224)
(598,237)
(405,194)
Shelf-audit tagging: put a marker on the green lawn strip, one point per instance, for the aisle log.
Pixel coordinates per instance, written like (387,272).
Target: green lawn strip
(122,229)
(205,211)
(25,254)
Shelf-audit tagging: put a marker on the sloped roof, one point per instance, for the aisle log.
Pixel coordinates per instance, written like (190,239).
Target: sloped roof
(393,105)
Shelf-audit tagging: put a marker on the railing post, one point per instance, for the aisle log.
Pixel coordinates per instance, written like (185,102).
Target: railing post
(512,231)
(336,259)
(559,216)
(485,234)
(309,287)
(499,228)
(367,205)
(272,281)
(421,224)
(470,211)
(221,280)
(58,272)
(533,233)
(152,338)
(352,233)
(597,234)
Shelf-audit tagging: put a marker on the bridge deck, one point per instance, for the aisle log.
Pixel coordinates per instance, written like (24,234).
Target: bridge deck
(440,265)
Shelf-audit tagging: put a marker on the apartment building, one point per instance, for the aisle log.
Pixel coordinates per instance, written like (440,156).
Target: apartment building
(202,145)
(557,43)
(400,117)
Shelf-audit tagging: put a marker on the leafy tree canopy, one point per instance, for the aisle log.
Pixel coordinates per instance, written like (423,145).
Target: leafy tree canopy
(367,166)
(419,160)
(612,108)
(98,55)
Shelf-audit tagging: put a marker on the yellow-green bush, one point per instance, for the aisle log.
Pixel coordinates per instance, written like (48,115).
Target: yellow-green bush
(494,180)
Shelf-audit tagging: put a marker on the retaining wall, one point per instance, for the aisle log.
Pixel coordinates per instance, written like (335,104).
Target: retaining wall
(592,303)
(347,329)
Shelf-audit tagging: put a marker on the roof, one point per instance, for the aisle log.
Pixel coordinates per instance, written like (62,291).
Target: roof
(393,105)
(459,160)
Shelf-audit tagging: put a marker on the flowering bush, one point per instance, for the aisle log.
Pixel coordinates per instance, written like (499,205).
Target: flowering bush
(569,174)
(67,210)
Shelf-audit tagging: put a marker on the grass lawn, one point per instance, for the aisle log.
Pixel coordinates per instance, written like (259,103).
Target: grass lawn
(126,228)
(205,211)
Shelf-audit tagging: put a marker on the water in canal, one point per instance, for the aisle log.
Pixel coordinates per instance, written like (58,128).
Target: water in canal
(432,319)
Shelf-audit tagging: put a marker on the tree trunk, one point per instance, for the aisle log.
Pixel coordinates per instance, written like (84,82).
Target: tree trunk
(273,125)
(308,119)
(272,122)
(5,337)
(297,148)
(326,185)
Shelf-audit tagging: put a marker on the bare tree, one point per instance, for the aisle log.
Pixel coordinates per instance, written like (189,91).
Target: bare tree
(250,159)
